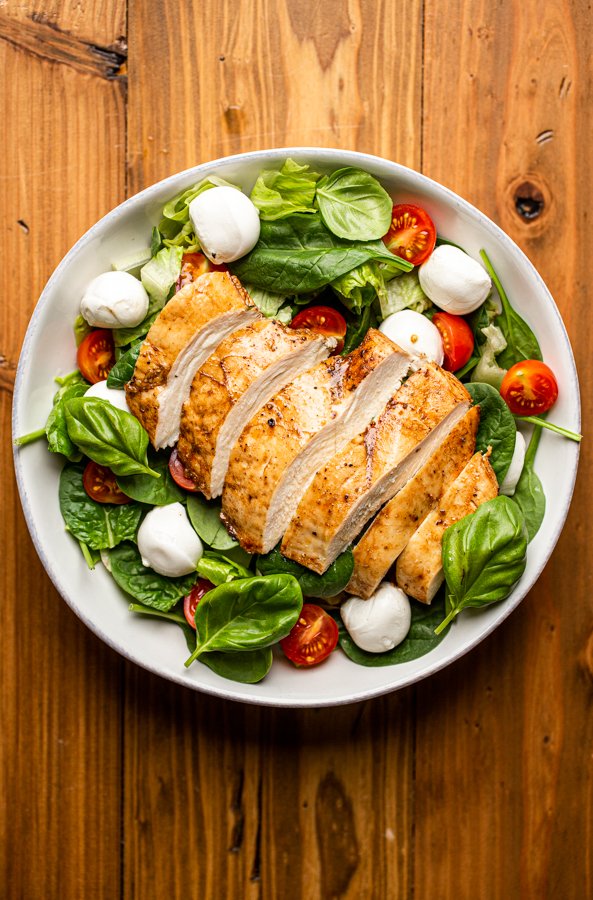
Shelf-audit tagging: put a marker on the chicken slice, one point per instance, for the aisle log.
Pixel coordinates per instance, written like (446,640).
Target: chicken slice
(298,431)
(182,337)
(244,372)
(392,528)
(419,569)
(373,466)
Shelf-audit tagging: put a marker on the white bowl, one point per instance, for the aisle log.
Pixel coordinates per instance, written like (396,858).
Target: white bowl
(49,350)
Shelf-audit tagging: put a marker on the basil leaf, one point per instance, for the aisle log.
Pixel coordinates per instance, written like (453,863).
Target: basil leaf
(529,493)
(154,491)
(278,194)
(521,341)
(98,525)
(248,614)
(58,439)
(419,641)
(353,204)
(323,586)
(484,555)
(220,569)
(299,254)
(145,585)
(248,667)
(205,518)
(497,427)
(123,370)
(107,435)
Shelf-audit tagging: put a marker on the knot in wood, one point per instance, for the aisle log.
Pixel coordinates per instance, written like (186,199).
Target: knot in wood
(529,201)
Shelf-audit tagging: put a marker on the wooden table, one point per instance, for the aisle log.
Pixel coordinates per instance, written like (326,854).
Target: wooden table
(477,783)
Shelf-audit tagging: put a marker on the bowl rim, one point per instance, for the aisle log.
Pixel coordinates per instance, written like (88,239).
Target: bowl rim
(175,181)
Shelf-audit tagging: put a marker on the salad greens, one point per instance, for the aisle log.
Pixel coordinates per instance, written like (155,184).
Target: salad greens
(320,243)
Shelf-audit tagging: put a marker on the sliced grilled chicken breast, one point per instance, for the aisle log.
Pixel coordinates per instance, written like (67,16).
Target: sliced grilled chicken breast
(346,492)
(182,337)
(394,525)
(298,431)
(243,373)
(419,569)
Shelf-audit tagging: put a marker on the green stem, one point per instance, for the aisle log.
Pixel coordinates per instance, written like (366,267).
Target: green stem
(496,281)
(87,555)
(66,379)
(168,616)
(197,652)
(470,364)
(541,423)
(446,621)
(30,438)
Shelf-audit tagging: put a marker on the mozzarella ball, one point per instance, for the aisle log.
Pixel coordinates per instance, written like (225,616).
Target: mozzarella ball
(167,542)
(379,623)
(113,395)
(226,223)
(454,281)
(114,300)
(509,482)
(415,333)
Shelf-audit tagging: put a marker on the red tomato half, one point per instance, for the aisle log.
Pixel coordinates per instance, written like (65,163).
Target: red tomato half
(96,355)
(313,637)
(100,484)
(191,600)
(193,265)
(529,388)
(458,340)
(322,320)
(412,234)
(179,473)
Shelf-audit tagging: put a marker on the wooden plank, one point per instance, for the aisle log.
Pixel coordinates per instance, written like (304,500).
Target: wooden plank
(60,752)
(264,803)
(504,737)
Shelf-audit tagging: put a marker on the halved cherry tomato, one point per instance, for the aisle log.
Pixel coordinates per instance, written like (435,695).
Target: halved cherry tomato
(193,265)
(323,320)
(96,355)
(191,600)
(412,234)
(179,473)
(529,388)
(100,484)
(313,637)
(458,340)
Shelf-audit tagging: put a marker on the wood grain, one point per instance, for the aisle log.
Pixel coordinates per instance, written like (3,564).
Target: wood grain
(60,750)
(479,781)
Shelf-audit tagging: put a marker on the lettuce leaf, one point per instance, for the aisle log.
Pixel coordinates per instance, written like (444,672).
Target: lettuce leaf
(175,227)
(358,288)
(267,302)
(160,274)
(278,194)
(404,293)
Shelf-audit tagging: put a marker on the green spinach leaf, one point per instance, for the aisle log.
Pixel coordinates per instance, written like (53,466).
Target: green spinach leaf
(205,518)
(123,370)
(98,525)
(278,194)
(248,614)
(357,328)
(58,439)
(529,493)
(299,254)
(484,555)
(248,667)
(107,435)
(354,205)
(420,639)
(154,491)
(145,585)
(323,586)
(497,427)
(521,341)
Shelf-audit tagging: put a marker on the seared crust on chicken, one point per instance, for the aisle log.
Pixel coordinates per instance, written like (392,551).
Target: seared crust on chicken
(419,569)
(299,430)
(394,525)
(184,334)
(373,466)
(245,370)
